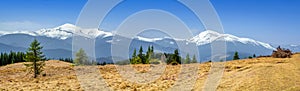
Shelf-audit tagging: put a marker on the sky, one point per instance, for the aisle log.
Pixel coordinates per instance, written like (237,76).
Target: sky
(271,21)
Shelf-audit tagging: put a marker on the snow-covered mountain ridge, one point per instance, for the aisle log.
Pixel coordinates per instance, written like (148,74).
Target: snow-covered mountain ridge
(209,36)
(67,30)
(62,32)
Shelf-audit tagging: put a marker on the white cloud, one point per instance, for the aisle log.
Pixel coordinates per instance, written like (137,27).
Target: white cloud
(19,26)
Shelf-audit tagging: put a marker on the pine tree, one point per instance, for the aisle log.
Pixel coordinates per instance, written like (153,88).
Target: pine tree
(12,57)
(152,49)
(187,59)
(152,52)
(141,55)
(148,55)
(176,57)
(81,57)
(194,60)
(254,56)
(134,57)
(1,59)
(250,57)
(236,56)
(35,56)
(134,54)
(5,57)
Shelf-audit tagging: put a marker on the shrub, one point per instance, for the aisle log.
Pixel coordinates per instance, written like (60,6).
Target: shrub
(81,57)
(154,61)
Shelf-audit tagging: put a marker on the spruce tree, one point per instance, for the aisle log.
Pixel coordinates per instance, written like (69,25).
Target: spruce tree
(35,56)
(152,49)
(187,59)
(194,60)
(141,55)
(148,55)
(250,57)
(1,59)
(236,56)
(5,58)
(176,57)
(133,58)
(134,54)
(152,52)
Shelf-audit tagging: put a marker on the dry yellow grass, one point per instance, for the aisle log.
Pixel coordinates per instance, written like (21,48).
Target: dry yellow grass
(59,76)
(259,74)
(262,74)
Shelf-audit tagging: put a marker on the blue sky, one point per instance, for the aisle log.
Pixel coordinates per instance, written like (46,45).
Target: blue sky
(263,20)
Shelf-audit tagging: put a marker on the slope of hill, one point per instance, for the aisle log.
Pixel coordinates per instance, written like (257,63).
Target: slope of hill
(259,74)
(59,76)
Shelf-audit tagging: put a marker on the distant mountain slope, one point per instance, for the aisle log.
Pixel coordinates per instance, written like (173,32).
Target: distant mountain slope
(8,48)
(294,48)
(60,39)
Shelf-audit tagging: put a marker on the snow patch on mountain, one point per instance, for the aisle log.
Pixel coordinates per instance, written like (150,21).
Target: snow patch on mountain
(293,45)
(63,32)
(147,39)
(209,36)
(67,30)
(3,33)
(156,39)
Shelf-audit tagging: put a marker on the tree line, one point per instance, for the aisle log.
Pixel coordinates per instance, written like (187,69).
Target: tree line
(170,58)
(11,57)
(188,60)
(16,57)
(141,58)
(237,57)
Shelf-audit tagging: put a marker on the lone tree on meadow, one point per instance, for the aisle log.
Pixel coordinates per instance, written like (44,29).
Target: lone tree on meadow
(236,56)
(35,56)
(81,57)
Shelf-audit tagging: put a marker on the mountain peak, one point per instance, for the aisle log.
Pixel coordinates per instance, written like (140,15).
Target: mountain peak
(67,30)
(209,36)
(61,32)
(67,26)
(205,37)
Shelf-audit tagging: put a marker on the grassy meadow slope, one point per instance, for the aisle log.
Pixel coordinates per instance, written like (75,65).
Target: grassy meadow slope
(259,74)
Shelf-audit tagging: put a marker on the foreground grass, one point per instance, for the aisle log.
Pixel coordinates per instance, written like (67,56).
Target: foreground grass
(267,74)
